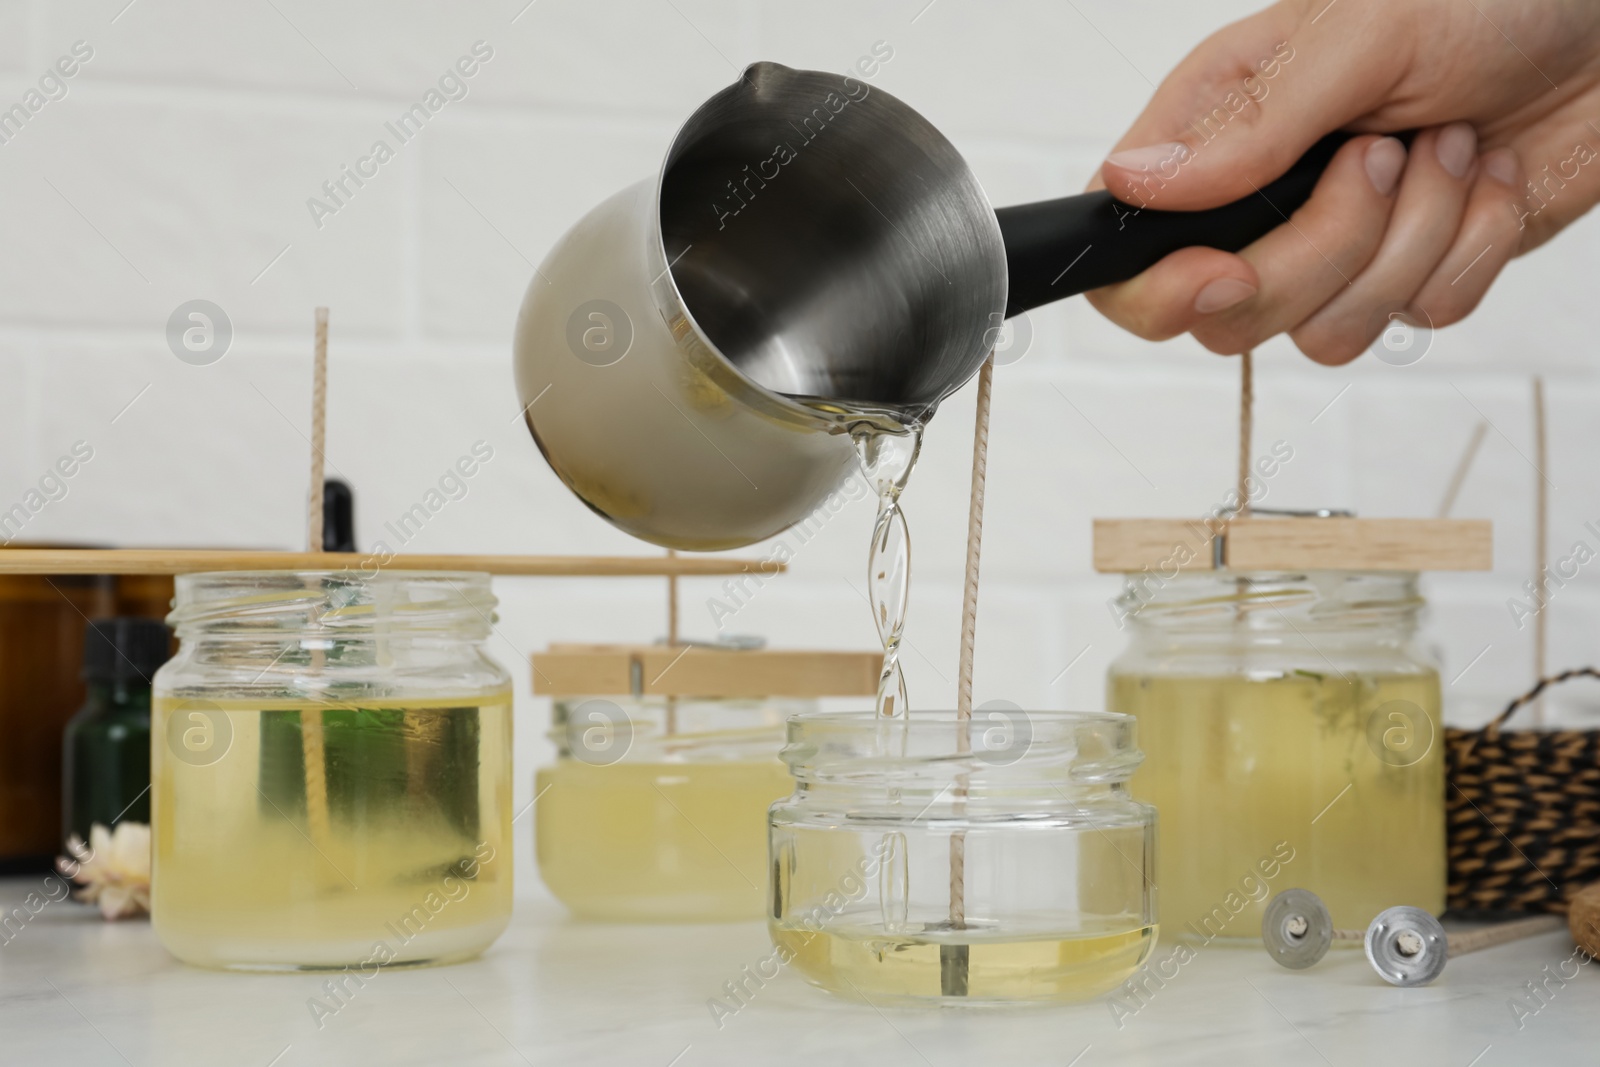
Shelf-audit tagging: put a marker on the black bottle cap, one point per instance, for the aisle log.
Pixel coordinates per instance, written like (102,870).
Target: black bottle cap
(338,517)
(125,650)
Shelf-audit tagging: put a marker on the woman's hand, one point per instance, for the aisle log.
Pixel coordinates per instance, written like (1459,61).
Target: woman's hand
(1506,94)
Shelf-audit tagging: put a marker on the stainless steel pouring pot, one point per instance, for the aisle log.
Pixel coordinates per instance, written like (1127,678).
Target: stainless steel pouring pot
(814,259)
(688,352)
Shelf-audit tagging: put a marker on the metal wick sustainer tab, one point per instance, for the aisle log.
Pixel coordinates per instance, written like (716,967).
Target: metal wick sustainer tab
(1298,931)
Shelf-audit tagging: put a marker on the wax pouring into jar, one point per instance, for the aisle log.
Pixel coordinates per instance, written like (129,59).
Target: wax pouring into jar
(887,460)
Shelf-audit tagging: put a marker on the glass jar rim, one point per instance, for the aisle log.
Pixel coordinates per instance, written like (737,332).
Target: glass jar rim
(1309,599)
(346,604)
(1000,742)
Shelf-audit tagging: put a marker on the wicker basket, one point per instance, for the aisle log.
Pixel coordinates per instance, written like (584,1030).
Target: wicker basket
(1522,813)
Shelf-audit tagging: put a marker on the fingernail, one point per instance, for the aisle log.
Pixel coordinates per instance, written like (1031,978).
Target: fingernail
(1222,293)
(1457,143)
(1385,160)
(1501,165)
(1151,156)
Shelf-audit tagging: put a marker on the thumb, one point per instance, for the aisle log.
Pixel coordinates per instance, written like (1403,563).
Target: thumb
(1247,103)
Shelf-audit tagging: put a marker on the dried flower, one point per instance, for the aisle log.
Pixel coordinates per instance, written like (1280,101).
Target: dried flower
(114,869)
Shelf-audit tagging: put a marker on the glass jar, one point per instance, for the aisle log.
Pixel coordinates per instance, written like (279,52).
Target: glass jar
(656,809)
(331,767)
(1291,730)
(1028,812)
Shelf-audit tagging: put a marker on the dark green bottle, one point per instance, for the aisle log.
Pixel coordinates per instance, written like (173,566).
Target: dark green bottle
(105,775)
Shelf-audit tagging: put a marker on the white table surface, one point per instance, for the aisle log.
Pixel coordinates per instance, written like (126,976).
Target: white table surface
(76,992)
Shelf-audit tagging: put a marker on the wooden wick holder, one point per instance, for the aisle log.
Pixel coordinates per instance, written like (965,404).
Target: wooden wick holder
(1257,543)
(703,671)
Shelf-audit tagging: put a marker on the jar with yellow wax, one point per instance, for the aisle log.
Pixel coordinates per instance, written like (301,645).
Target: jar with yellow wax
(331,772)
(655,809)
(998,860)
(1292,737)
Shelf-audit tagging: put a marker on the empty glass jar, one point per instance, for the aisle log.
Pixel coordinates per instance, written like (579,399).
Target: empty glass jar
(1292,738)
(997,861)
(331,772)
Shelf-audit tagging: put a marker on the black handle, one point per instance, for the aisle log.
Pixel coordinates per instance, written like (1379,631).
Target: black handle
(1058,248)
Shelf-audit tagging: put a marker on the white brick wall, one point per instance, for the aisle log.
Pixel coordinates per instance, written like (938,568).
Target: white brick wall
(179,164)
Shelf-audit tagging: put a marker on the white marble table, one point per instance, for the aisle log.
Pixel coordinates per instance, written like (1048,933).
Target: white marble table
(77,991)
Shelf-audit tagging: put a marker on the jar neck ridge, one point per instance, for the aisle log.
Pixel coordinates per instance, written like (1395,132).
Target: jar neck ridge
(1361,606)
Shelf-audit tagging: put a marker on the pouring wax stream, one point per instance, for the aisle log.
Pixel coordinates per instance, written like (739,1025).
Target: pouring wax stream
(887,460)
